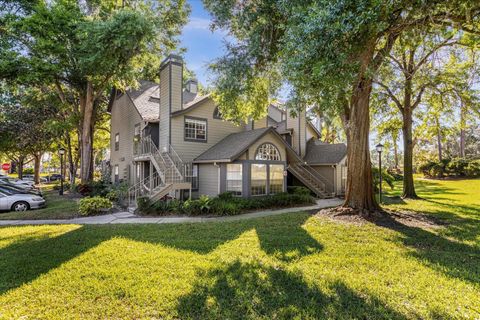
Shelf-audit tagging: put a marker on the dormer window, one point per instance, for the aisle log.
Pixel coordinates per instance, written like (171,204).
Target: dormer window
(217,114)
(192,86)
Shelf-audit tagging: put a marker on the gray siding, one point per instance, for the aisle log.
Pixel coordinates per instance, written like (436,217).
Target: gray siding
(217,129)
(328,172)
(208,179)
(250,154)
(124,117)
(299,135)
(164,106)
(275,114)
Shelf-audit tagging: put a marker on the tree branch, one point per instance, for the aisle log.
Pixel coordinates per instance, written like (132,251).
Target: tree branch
(418,99)
(434,49)
(390,94)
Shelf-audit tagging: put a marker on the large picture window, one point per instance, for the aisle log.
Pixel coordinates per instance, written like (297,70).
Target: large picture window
(267,151)
(258,181)
(195,129)
(234,178)
(276,178)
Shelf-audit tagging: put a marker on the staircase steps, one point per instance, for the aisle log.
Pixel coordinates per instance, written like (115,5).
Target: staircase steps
(169,175)
(312,180)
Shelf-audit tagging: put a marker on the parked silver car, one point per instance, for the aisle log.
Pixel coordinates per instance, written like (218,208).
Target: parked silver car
(20,201)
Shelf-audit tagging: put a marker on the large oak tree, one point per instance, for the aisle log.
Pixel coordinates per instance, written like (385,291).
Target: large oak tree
(328,52)
(86,47)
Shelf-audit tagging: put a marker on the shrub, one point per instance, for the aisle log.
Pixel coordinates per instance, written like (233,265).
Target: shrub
(93,205)
(144,205)
(459,167)
(473,168)
(116,193)
(28,171)
(298,190)
(93,189)
(224,205)
(386,177)
(226,196)
(190,207)
(161,207)
(226,208)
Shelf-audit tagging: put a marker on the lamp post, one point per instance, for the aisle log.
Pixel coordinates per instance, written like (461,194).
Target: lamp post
(379,148)
(61,152)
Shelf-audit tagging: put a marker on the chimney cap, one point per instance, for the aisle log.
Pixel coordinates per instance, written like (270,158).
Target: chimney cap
(172,58)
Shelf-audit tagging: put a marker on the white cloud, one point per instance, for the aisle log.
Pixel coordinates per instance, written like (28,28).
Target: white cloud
(198,24)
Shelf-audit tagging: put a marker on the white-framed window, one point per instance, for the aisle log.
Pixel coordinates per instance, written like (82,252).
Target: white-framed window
(195,129)
(276,178)
(267,151)
(192,175)
(258,179)
(234,178)
(117,141)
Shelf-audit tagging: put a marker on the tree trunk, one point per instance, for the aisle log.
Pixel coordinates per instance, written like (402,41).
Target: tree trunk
(71,162)
(462,131)
(439,140)
(86,104)
(359,193)
(395,151)
(37,157)
(462,143)
(20,164)
(408,183)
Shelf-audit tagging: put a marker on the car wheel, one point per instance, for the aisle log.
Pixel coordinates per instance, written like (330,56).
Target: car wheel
(20,206)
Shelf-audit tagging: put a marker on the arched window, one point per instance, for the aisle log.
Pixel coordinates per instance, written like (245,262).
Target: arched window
(267,151)
(217,114)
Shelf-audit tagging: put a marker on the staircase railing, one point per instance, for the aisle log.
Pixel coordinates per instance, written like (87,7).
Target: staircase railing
(301,171)
(319,176)
(144,187)
(170,169)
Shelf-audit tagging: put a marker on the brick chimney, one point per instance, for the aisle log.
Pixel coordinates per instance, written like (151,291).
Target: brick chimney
(171,79)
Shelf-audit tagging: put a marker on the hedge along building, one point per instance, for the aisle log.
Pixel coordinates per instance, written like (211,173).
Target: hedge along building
(167,139)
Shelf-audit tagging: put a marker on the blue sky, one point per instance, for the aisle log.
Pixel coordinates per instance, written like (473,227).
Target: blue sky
(202,45)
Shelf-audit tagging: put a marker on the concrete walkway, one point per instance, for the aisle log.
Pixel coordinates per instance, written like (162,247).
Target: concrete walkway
(127,217)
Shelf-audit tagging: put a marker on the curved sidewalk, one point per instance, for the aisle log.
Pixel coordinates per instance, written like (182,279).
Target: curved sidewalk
(127,217)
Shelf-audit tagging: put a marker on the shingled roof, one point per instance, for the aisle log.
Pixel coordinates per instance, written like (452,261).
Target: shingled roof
(232,146)
(146,99)
(325,153)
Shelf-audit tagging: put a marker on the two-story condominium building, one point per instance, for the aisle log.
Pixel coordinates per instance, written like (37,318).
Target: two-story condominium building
(167,140)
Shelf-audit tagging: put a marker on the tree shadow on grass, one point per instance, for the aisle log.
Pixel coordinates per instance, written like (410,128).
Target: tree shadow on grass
(252,291)
(24,261)
(453,258)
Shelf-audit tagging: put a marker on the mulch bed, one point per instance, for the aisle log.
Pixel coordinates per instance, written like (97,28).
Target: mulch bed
(385,218)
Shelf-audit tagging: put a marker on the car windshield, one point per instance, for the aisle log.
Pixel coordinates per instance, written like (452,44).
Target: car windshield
(9,190)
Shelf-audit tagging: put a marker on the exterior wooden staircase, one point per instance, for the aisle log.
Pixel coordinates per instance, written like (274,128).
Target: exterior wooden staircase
(170,173)
(312,179)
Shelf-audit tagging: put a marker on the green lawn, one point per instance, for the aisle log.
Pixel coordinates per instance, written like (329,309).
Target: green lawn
(281,267)
(58,207)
